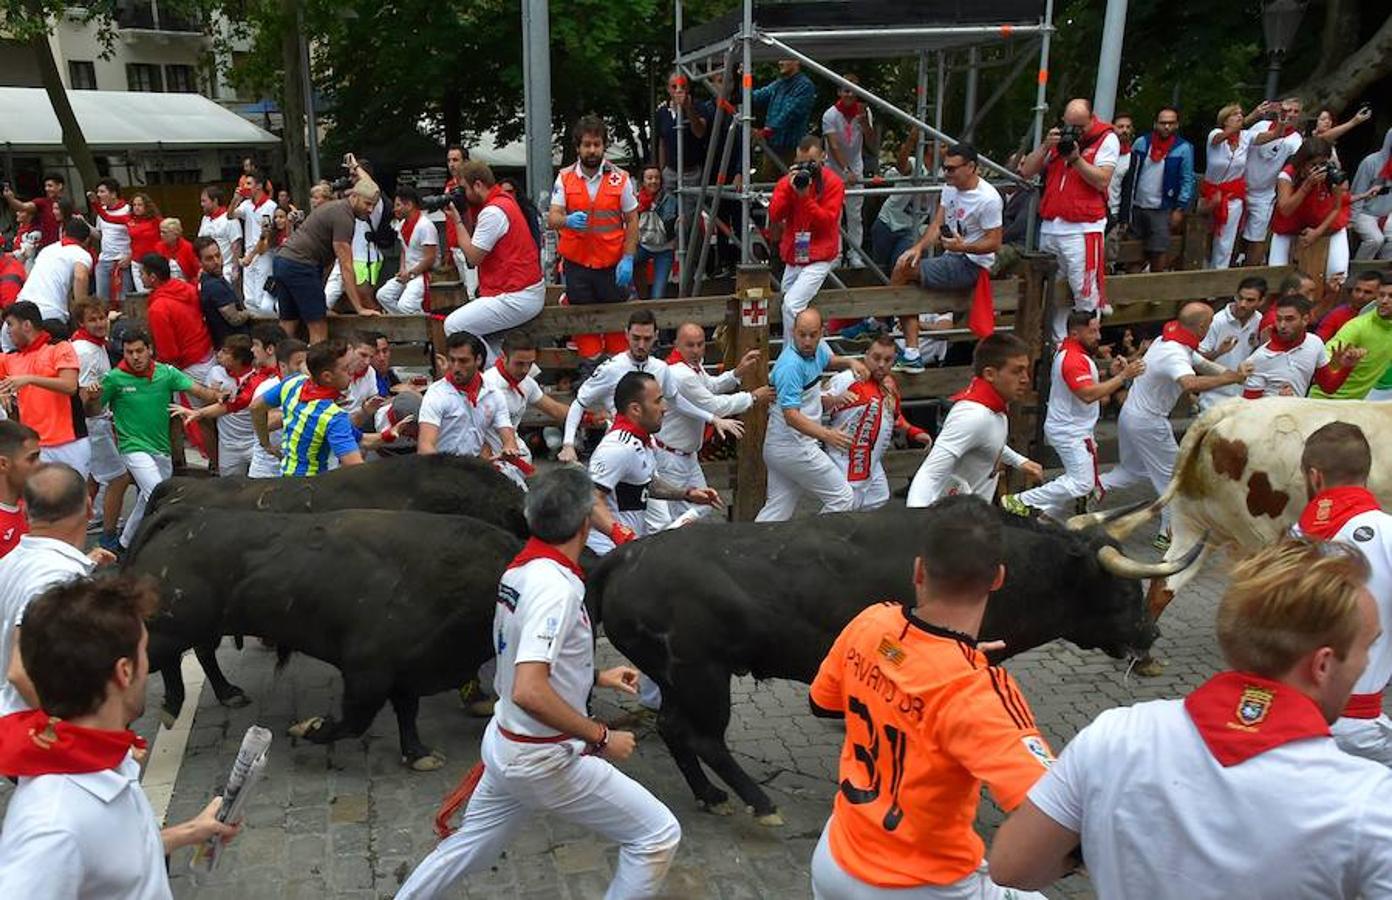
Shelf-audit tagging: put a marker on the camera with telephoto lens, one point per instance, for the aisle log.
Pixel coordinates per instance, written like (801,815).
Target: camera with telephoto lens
(804,173)
(1333,175)
(1068,139)
(339,185)
(437,202)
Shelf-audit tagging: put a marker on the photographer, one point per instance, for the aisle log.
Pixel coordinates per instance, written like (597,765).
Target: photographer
(325,236)
(371,236)
(1372,203)
(502,247)
(806,205)
(1312,201)
(409,292)
(1077,160)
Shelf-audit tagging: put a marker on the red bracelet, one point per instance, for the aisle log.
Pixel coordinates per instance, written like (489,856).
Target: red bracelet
(594,748)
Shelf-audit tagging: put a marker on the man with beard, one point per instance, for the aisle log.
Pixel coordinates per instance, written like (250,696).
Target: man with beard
(1233,336)
(1371,331)
(1075,402)
(459,411)
(1286,365)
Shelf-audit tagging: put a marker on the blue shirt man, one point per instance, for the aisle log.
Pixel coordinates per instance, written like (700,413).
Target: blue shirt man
(789,101)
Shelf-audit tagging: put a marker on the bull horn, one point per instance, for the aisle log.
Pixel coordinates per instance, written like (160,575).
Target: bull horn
(1084,521)
(1123,566)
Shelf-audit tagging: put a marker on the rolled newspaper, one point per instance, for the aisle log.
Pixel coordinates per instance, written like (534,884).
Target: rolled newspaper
(247,770)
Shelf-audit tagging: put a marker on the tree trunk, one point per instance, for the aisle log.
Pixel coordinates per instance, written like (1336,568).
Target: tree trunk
(292,106)
(73,140)
(1344,84)
(1339,35)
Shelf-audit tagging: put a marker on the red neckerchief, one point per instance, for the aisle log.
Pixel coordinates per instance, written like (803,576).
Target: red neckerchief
(34,743)
(1173,331)
(502,370)
(470,390)
(982,391)
(148,374)
(217,213)
(312,391)
(1278,345)
(645,200)
(849,111)
(1385,173)
(39,341)
(268,371)
(82,334)
(535,548)
(1160,146)
(674,358)
(408,227)
(69,242)
(1232,139)
(1327,512)
(1125,146)
(1240,715)
(624,423)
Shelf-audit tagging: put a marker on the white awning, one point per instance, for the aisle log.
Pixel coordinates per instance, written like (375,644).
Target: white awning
(124,120)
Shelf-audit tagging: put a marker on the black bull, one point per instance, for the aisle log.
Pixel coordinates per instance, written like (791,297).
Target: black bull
(452,485)
(401,603)
(693,607)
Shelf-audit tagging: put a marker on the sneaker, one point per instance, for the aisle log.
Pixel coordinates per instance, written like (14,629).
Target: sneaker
(909,365)
(1012,503)
(1162,542)
(95,526)
(860,330)
(476,701)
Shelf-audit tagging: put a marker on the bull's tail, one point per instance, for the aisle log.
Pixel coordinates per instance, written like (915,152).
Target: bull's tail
(1185,473)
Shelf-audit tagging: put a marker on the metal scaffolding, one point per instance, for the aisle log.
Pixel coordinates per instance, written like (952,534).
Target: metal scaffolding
(813,30)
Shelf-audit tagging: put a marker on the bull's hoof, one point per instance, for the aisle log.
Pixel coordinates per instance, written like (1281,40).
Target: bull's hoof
(305,728)
(167,717)
(1150,667)
(770,820)
(723,808)
(237,699)
(431,762)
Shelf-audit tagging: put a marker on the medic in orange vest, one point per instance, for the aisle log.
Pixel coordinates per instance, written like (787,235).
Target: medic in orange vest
(594,207)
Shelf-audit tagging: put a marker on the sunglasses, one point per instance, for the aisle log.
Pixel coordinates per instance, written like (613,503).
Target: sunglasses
(950,169)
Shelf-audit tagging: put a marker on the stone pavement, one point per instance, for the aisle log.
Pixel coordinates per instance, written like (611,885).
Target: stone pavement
(350,821)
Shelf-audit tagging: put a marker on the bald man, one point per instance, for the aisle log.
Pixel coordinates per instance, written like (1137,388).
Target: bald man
(1148,445)
(678,445)
(1073,207)
(793,452)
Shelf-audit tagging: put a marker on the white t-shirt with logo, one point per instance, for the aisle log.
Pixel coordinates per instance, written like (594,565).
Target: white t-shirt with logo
(623,466)
(225,231)
(1160,818)
(850,136)
(49,284)
(1226,325)
(463,426)
(424,235)
(1264,161)
(1069,416)
(1108,152)
(1295,368)
(972,213)
(541,617)
(527,393)
(251,215)
(1155,391)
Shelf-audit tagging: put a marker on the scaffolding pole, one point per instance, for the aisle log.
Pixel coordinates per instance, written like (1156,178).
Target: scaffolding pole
(681,144)
(747,116)
(939,101)
(969,96)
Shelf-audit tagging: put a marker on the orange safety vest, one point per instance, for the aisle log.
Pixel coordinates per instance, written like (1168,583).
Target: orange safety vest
(600,244)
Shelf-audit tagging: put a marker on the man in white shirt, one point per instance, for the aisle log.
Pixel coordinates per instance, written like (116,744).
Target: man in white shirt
(1293,359)
(1075,400)
(61,273)
(237,376)
(677,446)
(55,500)
(255,209)
(1073,207)
(1233,336)
(89,343)
(1237,790)
(458,411)
(290,361)
(513,377)
(848,132)
(219,226)
(1147,443)
(1125,128)
(113,259)
(1336,462)
(408,292)
(967,225)
(79,823)
(541,751)
(968,452)
(1264,163)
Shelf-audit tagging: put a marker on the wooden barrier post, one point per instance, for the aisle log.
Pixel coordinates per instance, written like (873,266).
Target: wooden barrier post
(748,320)
(1198,231)
(1313,260)
(1033,320)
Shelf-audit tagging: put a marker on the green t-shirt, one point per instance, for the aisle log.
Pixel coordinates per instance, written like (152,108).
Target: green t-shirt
(140,407)
(1373,333)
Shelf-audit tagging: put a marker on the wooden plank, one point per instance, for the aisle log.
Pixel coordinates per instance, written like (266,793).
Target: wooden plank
(1197,285)
(398,329)
(909,299)
(941,382)
(563,320)
(751,477)
(1197,233)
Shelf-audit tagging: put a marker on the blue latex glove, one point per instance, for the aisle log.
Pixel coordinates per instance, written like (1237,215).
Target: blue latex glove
(623,272)
(577,220)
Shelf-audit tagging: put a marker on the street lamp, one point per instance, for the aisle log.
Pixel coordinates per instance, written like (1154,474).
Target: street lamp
(1280,20)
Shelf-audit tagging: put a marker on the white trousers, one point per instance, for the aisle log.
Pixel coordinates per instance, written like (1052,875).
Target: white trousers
(855,223)
(491,317)
(1368,738)
(520,780)
(1260,206)
(1079,476)
(797,465)
(1220,255)
(1283,245)
(1148,451)
(258,301)
(677,469)
(1376,239)
(105,464)
(399,299)
(233,459)
(831,882)
(800,284)
(468,275)
(77,454)
(148,471)
(870,492)
(333,287)
(1080,258)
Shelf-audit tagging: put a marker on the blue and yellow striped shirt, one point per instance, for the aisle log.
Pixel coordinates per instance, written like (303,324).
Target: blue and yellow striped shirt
(313,429)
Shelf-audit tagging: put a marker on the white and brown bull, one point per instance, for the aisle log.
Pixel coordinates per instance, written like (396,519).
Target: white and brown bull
(1237,481)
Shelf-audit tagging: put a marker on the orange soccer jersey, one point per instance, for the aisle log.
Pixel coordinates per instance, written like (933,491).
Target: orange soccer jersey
(927,721)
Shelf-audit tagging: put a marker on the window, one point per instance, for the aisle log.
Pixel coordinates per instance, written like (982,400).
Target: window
(144,77)
(82,75)
(180,80)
